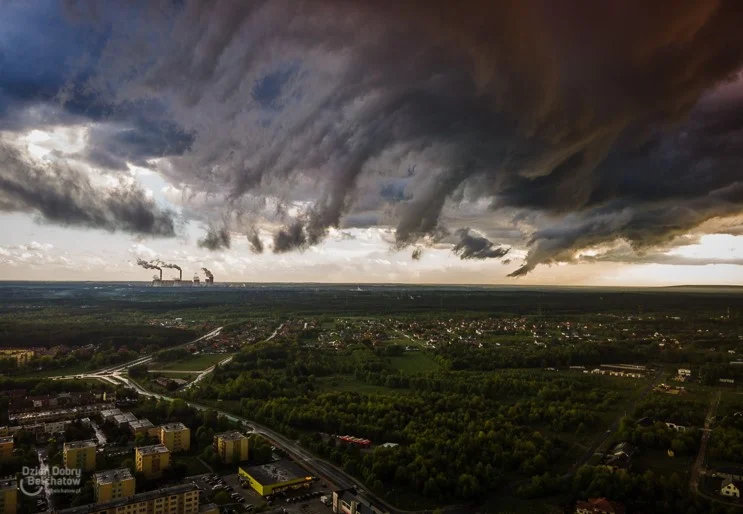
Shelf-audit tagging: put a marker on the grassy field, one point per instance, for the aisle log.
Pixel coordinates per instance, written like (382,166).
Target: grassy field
(193,363)
(78,368)
(352,385)
(414,362)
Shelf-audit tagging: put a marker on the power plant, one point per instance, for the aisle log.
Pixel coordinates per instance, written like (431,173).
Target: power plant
(157,280)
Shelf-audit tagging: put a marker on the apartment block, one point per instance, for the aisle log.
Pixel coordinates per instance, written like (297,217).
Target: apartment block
(6,447)
(152,460)
(113,484)
(231,447)
(176,437)
(80,455)
(8,496)
(179,499)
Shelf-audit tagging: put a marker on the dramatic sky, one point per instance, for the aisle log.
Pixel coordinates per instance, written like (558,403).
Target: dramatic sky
(572,142)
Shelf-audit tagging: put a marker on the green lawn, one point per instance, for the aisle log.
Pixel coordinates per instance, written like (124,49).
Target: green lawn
(414,362)
(198,362)
(195,466)
(77,368)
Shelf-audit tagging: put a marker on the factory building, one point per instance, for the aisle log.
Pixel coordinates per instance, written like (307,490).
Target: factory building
(231,447)
(275,477)
(79,455)
(179,499)
(152,460)
(8,496)
(176,437)
(6,447)
(113,484)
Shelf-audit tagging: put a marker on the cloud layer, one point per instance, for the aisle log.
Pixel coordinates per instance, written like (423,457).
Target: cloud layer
(579,123)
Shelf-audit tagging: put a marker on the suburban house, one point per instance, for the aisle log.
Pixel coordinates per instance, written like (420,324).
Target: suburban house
(599,506)
(731,488)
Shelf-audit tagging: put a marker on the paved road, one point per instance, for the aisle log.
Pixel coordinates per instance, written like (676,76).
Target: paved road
(699,464)
(613,427)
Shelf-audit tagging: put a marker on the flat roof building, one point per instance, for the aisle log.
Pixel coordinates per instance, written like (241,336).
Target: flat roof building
(275,477)
(176,437)
(231,447)
(8,495)
(152,460)
(6,447)
(79,455)
(179,499)
(113,484)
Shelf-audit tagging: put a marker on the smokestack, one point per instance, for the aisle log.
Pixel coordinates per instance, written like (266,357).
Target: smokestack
(209,276)
(174,266)
(150,265)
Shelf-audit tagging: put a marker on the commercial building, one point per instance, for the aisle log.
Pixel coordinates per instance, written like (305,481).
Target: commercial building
(6,447)
(179,499)
(8,495)
(152,460)
(80,455)
(176,437)
(348,501)
(278,476)
(231,447)
(113,484)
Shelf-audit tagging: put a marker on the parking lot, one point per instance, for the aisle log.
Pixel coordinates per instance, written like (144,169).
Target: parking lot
(302,501)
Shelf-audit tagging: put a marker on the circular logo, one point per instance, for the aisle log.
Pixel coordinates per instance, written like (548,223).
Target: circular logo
(25,488)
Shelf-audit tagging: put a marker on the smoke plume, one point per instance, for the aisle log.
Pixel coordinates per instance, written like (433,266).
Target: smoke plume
(173,266)
(151,265)
(417,253)
(208,273)
(471,246)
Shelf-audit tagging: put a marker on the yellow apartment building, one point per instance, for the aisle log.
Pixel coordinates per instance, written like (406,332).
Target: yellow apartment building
(179,499)
(152,460)
(176,437)
(231,447)
(80,455)
(113,484)
(8,496)
(6,447)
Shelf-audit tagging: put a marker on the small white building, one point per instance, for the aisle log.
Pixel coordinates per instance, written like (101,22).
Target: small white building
(683,372)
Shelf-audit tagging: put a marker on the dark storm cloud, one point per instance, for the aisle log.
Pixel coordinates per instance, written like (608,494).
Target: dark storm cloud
(471,246)
(290,238)
(60,194)
(585,115)
(216,239)
(254,240)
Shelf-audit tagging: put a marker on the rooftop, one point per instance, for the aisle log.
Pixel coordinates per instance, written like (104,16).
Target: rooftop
(74,445)
(137,498)
(174,427)
(141,423)
(112,475)
(277,472)
(231,436)
(8,483)
(154,448)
